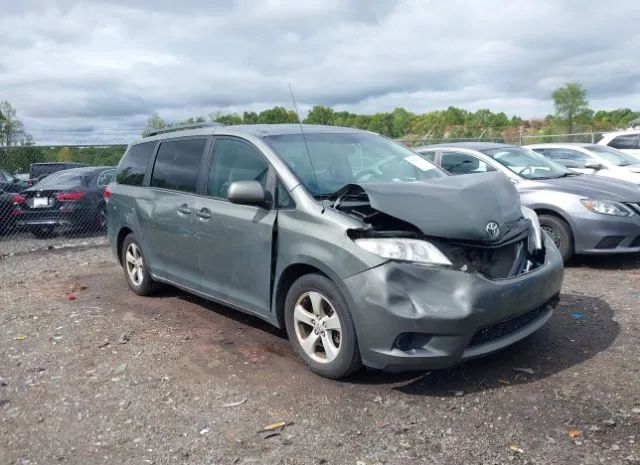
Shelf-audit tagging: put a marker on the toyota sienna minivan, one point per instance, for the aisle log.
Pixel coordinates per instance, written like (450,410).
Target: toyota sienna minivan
(365,252)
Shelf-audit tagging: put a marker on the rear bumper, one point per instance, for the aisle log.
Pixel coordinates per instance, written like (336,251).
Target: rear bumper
(602,234)
(449,315)
(69,219)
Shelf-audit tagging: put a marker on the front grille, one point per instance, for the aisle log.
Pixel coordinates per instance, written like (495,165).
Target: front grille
(636,242)
(496,262)
(504,328)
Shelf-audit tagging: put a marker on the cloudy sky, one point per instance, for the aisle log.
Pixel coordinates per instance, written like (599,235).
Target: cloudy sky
(73,69)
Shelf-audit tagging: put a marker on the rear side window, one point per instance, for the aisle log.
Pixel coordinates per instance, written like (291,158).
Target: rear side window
(134,164)
(234,160)
(627,141)
(178,164)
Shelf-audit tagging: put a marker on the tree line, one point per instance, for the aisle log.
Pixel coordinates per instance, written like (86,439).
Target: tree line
(572,113)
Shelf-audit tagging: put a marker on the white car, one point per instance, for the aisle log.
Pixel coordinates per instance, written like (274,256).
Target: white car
(592,159)
(627,141)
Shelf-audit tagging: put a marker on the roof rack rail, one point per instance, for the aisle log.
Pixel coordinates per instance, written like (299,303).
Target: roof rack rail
(179,127)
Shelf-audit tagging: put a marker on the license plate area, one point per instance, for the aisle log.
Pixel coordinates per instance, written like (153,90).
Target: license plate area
(40,202)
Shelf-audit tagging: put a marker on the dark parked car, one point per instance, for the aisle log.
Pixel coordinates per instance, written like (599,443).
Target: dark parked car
(7,211)
(10,183)
(38,171)
(365,252)
(66,200)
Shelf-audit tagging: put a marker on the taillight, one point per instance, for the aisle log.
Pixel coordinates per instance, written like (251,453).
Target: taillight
(107,194)
(18,199)
(69,196)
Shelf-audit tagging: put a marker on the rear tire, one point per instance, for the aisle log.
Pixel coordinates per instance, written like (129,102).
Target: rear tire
(560,233)
(321,329)
(135,267)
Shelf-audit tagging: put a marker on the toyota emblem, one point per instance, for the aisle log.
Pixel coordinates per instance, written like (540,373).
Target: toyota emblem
(493,230)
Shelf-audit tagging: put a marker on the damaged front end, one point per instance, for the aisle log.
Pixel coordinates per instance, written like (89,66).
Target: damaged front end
(475,221)
(467,273)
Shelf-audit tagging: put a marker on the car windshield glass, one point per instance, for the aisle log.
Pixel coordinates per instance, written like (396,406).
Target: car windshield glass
(613,156)
(527,163)
(337,159)
(67,177)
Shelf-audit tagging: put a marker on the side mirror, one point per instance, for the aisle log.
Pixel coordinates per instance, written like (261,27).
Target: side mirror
(593,165)
(246,193)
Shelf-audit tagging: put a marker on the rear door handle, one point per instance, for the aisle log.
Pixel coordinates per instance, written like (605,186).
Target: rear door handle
(205,214)
(184,209)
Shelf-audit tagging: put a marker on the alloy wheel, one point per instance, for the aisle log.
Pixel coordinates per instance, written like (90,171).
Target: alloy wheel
(134,264)
(317,327)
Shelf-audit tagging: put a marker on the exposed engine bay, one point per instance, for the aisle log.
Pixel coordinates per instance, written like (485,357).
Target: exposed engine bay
(431,211)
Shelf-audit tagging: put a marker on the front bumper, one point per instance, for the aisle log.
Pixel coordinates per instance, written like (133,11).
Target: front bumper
(603,234)
(450,315)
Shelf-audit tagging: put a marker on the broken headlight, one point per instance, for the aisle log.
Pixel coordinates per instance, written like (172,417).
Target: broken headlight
(606,207)
(409,250)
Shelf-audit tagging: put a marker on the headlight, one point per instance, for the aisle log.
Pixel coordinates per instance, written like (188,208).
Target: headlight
(606,207)
(537,234)
(410,250)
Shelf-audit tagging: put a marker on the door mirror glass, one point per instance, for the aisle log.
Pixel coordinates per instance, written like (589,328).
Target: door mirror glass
(246,193)
(593,165)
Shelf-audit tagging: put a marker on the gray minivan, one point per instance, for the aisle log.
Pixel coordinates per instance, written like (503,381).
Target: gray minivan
(363,250)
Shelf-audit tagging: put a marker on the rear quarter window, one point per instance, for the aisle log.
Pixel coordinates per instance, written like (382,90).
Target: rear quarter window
(134,163)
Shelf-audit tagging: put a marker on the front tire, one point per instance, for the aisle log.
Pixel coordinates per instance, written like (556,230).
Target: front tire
(560,233)
(320,327)
(135,267)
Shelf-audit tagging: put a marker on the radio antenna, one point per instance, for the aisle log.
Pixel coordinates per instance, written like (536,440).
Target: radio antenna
(304,138)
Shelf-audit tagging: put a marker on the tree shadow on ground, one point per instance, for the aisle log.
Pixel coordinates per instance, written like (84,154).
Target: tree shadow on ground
(562,343)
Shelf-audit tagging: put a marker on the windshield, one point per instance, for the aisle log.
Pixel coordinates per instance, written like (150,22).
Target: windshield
(613,156)
(335,160)
(527,163)
(71,177)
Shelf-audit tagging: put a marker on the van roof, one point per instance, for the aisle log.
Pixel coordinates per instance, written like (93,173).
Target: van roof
(257,130)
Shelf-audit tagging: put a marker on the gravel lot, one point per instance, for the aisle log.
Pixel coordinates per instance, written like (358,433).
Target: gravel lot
(93,374)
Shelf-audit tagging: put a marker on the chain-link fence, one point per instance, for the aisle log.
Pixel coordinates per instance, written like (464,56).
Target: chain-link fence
(53,196)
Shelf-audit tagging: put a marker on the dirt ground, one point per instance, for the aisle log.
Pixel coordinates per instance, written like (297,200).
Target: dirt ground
(92,374)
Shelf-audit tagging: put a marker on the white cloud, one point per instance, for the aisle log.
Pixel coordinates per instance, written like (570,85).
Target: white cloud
(70,66)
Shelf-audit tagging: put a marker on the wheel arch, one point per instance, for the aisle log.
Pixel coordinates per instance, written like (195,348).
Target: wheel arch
(293,272)
(124,232)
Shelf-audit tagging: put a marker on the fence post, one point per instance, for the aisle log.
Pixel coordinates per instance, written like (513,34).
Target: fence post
(521,132)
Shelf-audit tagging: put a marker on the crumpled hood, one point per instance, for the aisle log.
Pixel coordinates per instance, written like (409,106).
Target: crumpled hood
(453,207)
(587,186)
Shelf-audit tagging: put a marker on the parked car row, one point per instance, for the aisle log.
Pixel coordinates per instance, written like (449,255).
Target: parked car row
(583,214)
(63,201)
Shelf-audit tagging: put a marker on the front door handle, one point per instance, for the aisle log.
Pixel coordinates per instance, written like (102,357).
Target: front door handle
(184,209)
(205,214)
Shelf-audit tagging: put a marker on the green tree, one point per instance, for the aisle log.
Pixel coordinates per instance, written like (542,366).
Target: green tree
(571,105)
(155,122)
(320,115)
(11,128)
(228,120)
